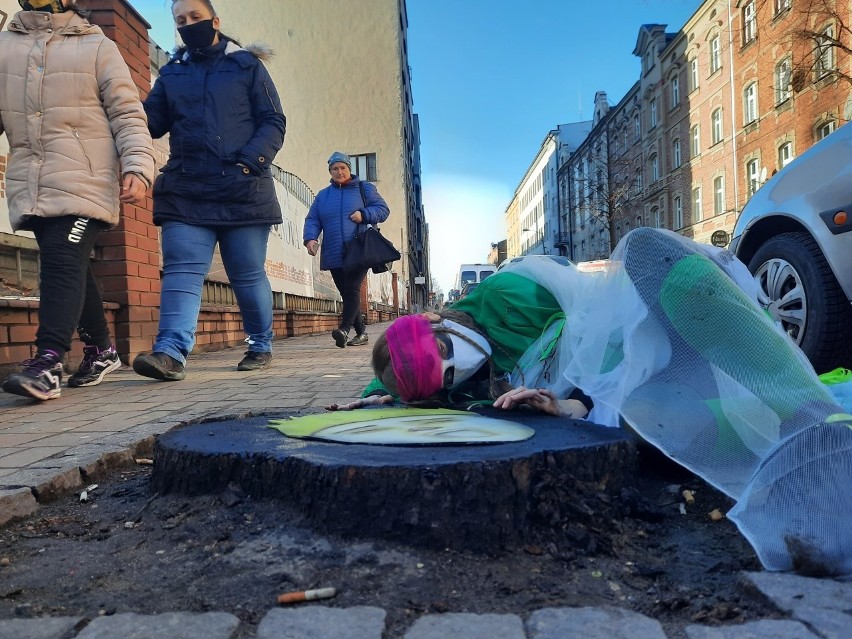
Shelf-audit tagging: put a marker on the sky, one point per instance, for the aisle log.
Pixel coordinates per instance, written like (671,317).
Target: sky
(489,80)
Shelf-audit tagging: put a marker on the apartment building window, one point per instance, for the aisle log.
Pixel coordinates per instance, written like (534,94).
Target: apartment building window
(696,204)
(639,182)
(750,103)
(752,176)
(783,77)
(825,52)
(655,168)
(715,54)
(785,154)
(695,141)
(781,6)
(637,127)
(638,221)
(693,74)
(675,91)
(678,212)
(655,216)
(653,113)
(364,166)
(719,195)
(749,22)
(716,126)
(676,159)
(824,130)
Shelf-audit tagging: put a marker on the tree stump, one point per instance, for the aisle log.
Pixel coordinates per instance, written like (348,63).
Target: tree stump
(482,498)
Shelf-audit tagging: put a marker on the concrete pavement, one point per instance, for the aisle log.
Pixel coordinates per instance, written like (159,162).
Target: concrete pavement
(59,446)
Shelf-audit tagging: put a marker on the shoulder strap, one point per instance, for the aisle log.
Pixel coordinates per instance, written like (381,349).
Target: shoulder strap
(363,197)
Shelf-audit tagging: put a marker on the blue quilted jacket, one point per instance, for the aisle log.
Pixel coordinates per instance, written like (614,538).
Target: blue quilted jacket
(330,213)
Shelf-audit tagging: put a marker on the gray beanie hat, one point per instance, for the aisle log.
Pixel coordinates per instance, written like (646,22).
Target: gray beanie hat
(337,156)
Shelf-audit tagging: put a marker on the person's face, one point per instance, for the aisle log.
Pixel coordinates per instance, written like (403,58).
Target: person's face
(340,172)
(188,12)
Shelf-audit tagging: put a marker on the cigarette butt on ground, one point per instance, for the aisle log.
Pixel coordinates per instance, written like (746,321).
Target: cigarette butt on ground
(306,595)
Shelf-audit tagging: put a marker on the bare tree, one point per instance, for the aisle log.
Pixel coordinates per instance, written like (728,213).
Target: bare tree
(820,35)
(606,195)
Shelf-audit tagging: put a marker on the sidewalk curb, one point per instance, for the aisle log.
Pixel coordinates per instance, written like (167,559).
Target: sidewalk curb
(27,489)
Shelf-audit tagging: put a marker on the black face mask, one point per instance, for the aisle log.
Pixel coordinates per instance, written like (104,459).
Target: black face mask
(198,35)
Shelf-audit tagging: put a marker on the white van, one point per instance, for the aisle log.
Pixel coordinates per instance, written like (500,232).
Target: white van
(473,273)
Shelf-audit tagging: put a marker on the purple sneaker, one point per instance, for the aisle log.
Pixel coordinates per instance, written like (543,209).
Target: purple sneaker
(40,378)
(94,367)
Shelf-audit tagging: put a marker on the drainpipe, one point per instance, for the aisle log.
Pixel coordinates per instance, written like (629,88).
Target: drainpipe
(733,110)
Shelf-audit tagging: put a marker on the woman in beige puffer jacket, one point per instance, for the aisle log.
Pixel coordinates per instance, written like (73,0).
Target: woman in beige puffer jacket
(79,146)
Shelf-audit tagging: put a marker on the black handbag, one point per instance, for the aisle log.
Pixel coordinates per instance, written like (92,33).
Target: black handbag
(369,249)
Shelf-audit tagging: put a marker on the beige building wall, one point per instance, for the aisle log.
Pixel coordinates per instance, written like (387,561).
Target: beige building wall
(513,229)
(342,74)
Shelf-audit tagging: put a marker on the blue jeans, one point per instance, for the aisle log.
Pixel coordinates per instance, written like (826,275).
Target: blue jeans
(187,254)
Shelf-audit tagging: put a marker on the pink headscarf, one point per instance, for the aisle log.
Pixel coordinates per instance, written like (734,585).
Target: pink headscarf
(415,358)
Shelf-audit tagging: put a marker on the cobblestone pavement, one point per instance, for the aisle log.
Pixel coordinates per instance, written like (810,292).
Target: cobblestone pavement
(56,447)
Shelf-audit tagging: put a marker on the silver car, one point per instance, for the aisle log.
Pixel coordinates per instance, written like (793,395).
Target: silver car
(795,235)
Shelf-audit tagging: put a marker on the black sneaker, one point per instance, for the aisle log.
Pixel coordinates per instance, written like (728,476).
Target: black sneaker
(94,367)
(159,366)
(358,340)
(41,378)
(254,361)
(340,337)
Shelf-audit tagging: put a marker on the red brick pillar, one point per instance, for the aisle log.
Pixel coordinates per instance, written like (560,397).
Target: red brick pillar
(127,264)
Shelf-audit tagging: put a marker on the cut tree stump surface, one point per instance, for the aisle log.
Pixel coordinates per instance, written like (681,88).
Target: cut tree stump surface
(468,497)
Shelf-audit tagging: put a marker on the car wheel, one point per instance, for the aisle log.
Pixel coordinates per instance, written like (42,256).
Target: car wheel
(802,294)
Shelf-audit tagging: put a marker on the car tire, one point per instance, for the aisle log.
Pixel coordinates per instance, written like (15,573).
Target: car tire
(815,311)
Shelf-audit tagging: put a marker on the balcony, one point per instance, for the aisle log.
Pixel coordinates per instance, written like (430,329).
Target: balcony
(562,239)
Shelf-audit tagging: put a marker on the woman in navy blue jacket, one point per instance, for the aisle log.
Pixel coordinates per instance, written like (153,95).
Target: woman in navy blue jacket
(336,212)
(217,102)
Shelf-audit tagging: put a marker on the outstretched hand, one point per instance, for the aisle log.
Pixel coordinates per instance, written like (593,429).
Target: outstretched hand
(541,399)
(372,400)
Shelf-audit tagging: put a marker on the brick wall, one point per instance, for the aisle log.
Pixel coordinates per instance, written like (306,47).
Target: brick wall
(18,323)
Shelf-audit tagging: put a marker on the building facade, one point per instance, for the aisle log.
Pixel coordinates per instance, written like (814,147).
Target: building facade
(533,215)
(345,84)
(720,106)
(586,206)
(793,81)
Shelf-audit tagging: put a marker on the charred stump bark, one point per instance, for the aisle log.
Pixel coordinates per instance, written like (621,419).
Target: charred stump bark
(482,498)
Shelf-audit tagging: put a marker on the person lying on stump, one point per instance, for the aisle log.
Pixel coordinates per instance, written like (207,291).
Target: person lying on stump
(669,341)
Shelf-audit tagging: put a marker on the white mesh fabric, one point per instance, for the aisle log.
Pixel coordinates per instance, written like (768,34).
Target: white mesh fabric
(671,338)
(797,509)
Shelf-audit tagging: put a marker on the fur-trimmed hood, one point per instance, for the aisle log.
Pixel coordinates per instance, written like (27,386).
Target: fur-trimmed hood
(259,50)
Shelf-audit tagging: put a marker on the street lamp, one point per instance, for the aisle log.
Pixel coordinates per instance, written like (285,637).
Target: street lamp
(537,240)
